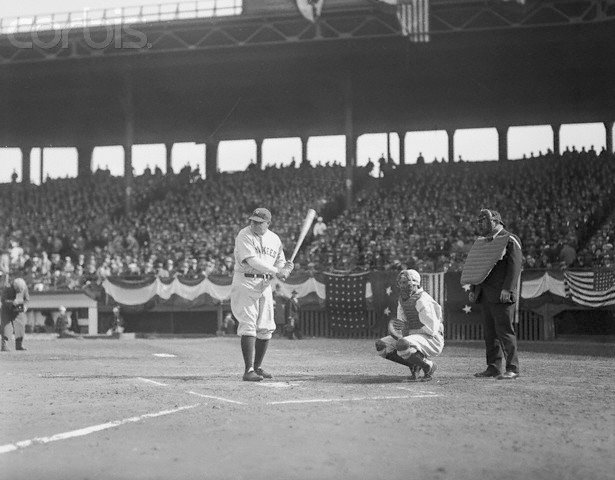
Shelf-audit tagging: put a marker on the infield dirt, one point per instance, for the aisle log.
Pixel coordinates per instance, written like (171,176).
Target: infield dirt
(334,410)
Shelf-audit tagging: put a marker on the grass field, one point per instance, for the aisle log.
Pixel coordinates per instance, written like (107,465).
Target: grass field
(177,409)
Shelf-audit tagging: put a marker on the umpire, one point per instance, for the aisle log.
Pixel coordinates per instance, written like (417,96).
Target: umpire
(497,294)
(15,298)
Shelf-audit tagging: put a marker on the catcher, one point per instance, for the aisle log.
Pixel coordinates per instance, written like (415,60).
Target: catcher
(417,333)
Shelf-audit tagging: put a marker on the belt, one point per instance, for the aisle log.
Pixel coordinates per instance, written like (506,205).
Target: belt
(258,275)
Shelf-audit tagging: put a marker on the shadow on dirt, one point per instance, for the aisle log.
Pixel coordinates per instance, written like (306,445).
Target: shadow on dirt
(352,379)
(556,347)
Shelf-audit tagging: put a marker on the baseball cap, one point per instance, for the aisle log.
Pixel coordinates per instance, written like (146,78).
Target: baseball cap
(491,215)
(261,215)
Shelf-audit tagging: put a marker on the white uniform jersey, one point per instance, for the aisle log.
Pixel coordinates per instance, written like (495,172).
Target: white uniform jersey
(267,248)
(251,297)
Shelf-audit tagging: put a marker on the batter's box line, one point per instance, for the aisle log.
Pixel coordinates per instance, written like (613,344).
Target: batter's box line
(352,399)
(220,399)
(407,389)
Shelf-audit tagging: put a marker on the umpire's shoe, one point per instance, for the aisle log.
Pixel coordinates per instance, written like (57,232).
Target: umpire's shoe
(508,375)
(251,376)
(259,371)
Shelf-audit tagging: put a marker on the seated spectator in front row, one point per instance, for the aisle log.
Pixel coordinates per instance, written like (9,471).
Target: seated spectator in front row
(63,324)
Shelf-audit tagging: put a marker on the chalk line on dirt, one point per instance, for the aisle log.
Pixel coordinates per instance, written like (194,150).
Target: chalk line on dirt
(10,447)
(215,398)
(408,389)
(154,382)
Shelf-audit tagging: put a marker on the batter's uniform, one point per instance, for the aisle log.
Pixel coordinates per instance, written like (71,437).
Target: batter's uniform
(251,293)
(424,317)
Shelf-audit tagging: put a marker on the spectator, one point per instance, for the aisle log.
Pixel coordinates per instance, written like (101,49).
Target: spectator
(293,317)
(63,324)
(320,227)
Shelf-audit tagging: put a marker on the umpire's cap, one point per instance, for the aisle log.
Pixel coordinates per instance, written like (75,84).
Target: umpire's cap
(261,215)
(491,215)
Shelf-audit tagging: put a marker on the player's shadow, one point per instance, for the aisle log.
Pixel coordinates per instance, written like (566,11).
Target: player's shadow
(354,379)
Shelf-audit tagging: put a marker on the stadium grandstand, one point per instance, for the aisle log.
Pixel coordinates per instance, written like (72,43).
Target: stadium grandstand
(213,71)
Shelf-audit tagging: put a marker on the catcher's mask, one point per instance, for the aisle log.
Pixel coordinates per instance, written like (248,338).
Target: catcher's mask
(408,282)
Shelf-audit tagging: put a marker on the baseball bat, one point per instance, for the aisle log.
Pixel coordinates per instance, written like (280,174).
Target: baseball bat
(305,228)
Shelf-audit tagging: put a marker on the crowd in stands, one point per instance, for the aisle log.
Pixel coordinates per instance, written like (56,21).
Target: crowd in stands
(68,233)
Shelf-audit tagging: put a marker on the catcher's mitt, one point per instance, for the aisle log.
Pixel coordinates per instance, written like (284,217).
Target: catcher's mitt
(398,328)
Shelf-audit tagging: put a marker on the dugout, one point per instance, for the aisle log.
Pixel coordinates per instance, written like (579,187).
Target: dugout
(43,304)
(164,320)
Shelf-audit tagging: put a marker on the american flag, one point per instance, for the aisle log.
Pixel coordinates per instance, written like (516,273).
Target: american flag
(592,289)
(413,16)
(346,303)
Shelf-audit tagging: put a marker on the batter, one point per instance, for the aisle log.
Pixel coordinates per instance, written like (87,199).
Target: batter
(259,256)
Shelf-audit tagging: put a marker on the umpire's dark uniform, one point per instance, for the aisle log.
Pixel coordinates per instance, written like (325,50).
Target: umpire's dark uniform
(498,316)
(13,317)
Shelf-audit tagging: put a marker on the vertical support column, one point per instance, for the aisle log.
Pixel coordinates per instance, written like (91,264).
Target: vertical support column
(451,146)
(129,135)
(304,149)
(26,156)
(402,147)
(93,320)
(219,319)
(42,164)
(84,161)
(259,153)
(556,145)
(351,141)
(169,152)
(128,177)
(609,136)
(211,159)
(388,146)
(502,143)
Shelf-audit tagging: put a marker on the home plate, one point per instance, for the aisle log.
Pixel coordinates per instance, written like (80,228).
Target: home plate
(164,355)
(278,384)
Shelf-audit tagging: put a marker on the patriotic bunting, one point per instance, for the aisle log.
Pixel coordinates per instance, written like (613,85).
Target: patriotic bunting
(346,303)
(592,289)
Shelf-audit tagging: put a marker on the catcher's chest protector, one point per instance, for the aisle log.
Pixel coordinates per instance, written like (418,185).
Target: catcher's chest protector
(409,308)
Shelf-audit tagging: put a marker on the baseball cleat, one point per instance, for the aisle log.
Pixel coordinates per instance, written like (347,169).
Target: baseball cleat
(259,371)
(487,374)
(251,376)
(413,371)
(429,375)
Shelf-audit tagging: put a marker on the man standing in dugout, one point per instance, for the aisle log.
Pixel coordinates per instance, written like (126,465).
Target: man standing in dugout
(492,269)
(259,257)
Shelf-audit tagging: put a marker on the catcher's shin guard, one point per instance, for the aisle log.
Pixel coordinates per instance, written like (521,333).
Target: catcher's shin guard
(397,359)
(418,359)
